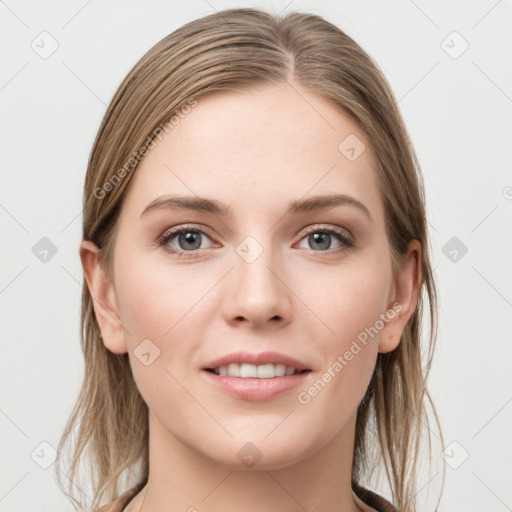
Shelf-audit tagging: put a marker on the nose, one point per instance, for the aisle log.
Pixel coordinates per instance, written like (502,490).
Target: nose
(257,293)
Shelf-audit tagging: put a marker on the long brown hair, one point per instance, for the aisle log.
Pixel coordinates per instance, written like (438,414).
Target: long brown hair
(229,50)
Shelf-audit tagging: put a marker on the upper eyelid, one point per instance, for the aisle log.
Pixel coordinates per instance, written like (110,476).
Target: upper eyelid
(190,227)
(322,227)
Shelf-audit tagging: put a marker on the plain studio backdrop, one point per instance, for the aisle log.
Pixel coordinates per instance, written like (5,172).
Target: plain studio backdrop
(450,68)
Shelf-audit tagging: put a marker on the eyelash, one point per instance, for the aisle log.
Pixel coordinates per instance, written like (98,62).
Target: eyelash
(347,241)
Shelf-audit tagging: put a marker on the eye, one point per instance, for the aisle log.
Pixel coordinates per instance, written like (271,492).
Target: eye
(320,239)
(187,239)
(184,239)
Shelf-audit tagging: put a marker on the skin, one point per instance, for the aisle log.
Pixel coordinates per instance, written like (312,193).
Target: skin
(254,151)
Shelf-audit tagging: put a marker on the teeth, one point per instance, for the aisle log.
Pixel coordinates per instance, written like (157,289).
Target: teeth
(263,371)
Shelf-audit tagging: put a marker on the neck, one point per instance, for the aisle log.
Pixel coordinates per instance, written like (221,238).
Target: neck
(181,478)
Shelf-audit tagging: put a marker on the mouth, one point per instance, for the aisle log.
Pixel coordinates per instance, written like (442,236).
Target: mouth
(261,376)
(262,371)
(255,388)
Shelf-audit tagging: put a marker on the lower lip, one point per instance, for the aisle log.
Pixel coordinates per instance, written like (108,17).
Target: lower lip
(251,388)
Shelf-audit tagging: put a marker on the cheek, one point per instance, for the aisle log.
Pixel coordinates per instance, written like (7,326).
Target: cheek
(154,299)
(167,306)
(345,301)
(351,306)
(155,307)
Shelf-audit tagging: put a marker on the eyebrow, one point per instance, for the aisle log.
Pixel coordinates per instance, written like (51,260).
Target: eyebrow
(297,206)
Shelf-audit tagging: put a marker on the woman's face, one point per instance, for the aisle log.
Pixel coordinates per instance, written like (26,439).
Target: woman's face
(258,274)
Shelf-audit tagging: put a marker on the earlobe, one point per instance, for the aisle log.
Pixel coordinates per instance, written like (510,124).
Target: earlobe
(103,298)
(403,303)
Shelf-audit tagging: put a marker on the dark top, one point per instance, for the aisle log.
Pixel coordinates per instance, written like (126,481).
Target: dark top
(372,499)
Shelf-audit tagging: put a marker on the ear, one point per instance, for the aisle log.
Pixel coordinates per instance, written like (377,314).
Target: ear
(104,300)
(403,298)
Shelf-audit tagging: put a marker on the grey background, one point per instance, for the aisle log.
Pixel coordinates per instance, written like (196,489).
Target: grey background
(458,109)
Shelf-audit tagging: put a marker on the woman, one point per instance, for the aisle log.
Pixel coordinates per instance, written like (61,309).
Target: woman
(254,252)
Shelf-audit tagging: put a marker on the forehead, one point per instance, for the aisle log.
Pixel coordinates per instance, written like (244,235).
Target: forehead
(262,146)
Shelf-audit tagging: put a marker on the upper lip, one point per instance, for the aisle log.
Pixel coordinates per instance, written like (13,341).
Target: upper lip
(257,359)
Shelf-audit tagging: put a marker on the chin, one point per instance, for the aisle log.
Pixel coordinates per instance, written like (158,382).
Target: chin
(258,456)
